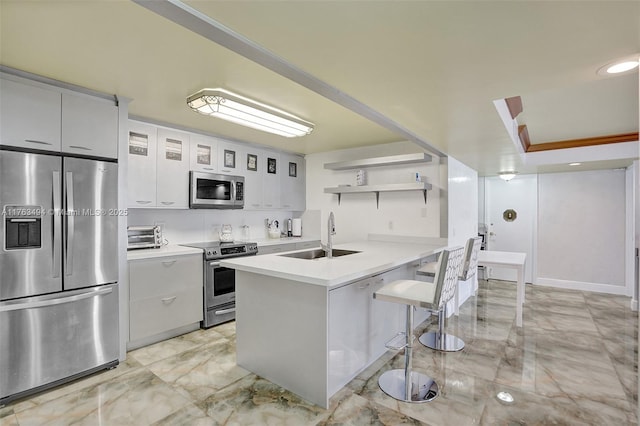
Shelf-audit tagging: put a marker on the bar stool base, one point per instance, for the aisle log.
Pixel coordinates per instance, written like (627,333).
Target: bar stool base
(423,387)
(442,341)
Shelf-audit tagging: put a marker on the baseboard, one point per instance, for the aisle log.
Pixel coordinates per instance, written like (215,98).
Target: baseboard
(634,305)
(583,286)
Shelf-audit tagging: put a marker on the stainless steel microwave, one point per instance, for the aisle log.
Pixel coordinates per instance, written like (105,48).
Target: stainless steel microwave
(214,191)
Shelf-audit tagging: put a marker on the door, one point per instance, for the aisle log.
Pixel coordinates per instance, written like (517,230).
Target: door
(31,231)
(30,116)
(89,126)
(204,154)
(172,170)
(142,165)
(90,223)
(511,212)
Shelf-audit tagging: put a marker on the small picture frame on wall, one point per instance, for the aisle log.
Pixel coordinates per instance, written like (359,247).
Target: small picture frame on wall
(271,165)
(229,158)
(252,162)
(293,169)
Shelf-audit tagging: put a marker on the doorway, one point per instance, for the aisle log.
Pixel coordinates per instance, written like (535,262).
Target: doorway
(511,218)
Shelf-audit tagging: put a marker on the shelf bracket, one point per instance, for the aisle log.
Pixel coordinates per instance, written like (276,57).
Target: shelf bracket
(377,200)
(339,197)
(424,192)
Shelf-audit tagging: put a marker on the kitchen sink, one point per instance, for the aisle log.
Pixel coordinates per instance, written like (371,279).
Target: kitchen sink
(318,253)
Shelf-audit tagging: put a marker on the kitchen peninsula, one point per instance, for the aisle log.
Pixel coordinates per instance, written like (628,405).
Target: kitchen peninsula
(311,325)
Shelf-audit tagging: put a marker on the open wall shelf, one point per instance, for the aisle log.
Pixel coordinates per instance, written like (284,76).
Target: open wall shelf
(377,189)
(393,160)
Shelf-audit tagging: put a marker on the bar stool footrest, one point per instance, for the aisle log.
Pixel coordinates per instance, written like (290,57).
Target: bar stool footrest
(397,342)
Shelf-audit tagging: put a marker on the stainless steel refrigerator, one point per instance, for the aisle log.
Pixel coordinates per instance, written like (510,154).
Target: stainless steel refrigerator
(58,270)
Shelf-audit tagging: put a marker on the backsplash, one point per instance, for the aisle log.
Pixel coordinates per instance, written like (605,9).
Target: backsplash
(188,226)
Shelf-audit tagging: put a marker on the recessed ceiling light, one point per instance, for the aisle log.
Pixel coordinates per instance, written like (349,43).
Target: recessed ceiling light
(507,176)
(574,164)
(619,66)
(622,67)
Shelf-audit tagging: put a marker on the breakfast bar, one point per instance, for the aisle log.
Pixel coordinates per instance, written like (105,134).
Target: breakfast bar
(310,324)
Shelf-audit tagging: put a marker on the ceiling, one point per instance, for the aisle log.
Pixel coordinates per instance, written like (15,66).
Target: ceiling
(432,68)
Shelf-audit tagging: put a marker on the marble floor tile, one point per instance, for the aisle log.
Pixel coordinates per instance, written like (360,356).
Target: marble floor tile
(256,401)
(532,409)
(134,398)
(202,371)
(167,348)
(574,362)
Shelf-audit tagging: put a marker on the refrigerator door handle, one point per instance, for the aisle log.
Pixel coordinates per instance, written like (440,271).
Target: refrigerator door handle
(56,234)
(52,302)
(70,218)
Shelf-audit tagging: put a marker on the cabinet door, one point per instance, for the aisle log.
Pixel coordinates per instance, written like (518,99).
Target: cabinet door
(30,116)
(387,318)
(230,158)
(254,164)
(142,165)
(349,322)
(204,153)
(164,294)
(172,174)
(89,126)
(292,182)
(271,188)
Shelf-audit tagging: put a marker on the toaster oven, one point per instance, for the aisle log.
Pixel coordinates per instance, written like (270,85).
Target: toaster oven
(139,237)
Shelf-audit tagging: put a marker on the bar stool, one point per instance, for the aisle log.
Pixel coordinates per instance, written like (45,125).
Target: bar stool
(404,384)
(439,340)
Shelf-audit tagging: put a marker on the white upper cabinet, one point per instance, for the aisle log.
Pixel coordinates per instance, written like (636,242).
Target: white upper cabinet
(204,154)
(271,189)
(172,174)
(253,166)
(230,157)
(142,164)
(30,116)
(89,126)
(292,182)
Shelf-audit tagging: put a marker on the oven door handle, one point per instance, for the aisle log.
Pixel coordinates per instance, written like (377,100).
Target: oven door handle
(225,311)
(214,264)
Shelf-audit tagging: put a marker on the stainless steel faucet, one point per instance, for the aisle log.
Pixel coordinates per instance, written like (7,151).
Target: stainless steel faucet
(331,230)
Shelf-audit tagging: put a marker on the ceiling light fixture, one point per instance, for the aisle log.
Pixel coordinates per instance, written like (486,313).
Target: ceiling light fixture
(241,110)
(622,65)
(507,176)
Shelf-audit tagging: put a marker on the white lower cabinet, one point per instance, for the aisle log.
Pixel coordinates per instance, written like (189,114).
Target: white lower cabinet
(359,325)
(164,294)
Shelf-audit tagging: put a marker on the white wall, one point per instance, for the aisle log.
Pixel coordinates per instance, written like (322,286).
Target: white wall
(581,230)
(463,214)
(400,213)
(189,226)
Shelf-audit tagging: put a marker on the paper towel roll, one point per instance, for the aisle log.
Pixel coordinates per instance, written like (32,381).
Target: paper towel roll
(296,227)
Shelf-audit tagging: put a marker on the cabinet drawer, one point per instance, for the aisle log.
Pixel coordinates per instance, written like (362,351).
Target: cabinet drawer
(162,276)
(163,313)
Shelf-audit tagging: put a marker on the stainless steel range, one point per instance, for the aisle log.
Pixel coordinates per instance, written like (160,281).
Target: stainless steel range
(220,282)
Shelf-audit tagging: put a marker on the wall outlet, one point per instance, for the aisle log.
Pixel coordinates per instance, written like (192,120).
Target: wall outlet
(390,225)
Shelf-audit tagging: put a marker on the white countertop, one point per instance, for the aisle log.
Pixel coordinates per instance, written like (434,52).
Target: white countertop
(164,251)
(284,240)
(374,257)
